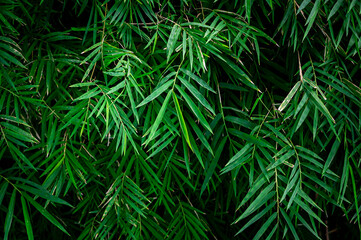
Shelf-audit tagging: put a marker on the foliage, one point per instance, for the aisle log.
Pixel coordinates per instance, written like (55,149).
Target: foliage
(183,119)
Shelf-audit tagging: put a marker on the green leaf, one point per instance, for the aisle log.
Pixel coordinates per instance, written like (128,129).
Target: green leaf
(239,73)
(155,93)
(92,93)
(331,155)
(257,217)
(249,138)
(248,5)
(173,38)
(194,109)
(282,159)
(201,136)
(181,119)
(91,65)
(9,215)
(312,17)
(132,103)
(258,183)
(116,87)
(3,189)
(83,84)
(289,97)
(197,94)
(160,115)
(289,224)
(302,118)
(303,221)
(237,160)
(213,164)
(278,133)
(44,194)
(15,152)
(44,212)
(308,210)
(265,226)
(18,133)
(199,80)
(260,200)
(320,105)
(29,228)
(335,9)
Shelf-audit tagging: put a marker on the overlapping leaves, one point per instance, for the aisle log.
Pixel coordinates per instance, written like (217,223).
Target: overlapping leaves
(173,120)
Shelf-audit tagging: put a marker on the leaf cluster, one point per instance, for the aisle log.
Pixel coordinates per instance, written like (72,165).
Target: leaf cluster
(158,119)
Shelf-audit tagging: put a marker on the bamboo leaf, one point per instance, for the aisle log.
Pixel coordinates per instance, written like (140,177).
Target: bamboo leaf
(335,9)
(260,200)
(197,94)
(43,193)
(92,93)
(155,93)
(282,159)
(199,80)
(289,224)
(265,226)
(238,159)
(213,165)
(194,108)
(289,97)
(173,38)
(44,212)
(29,228)
(9,215)
(331,155)
(181,119)
(160,115)
(312,17)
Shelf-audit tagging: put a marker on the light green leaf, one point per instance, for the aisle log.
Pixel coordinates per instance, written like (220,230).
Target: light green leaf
(93,92)
(83,84)
(181,119)
(155,93)
(311,18)
(194,108)
(335,8)
(160,115)
(289,96)
(303,5)
(197,94)
(282,159)
(173,38)
(238,159)
(116,87)
(199,80)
